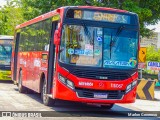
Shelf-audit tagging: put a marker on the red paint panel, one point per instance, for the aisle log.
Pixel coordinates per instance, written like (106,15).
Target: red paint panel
(61,91)
(64,93)
(32,66)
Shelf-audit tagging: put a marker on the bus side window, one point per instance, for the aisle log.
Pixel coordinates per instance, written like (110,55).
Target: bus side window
(47,33)
(46,47)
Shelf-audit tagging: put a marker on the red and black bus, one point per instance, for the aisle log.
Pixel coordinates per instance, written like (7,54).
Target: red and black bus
(79,53)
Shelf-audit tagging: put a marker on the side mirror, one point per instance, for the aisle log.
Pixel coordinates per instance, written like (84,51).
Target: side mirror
(57,37)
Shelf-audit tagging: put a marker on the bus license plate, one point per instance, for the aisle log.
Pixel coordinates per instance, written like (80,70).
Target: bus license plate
(100,95)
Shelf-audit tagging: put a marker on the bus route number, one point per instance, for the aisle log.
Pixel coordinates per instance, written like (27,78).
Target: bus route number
(113,85)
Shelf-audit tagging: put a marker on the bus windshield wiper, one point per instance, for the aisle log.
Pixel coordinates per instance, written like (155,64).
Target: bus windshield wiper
(119,30)
(88,34)
(86,31)
(112,41)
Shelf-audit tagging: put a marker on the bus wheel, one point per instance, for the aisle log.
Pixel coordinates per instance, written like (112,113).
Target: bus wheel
(107,106)
(45,98)
(21,88)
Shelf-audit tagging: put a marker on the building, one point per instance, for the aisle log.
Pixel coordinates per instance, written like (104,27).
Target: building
(158,43)
(153,40)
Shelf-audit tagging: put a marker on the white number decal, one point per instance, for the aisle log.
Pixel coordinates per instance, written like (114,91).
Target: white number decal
(116,85)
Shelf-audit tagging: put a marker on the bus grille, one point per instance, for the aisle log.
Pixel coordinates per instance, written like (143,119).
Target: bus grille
(88,93)
(100,74)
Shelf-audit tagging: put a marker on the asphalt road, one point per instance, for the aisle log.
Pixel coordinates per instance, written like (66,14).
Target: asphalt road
(12,100)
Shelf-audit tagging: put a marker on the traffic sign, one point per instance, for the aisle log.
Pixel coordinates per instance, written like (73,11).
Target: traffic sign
(142,54)
(141,65)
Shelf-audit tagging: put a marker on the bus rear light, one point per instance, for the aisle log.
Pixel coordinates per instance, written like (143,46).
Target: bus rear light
(131,86)
(67,82)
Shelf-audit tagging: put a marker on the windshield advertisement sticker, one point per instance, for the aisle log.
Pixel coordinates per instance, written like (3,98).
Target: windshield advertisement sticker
(70,51)
(97,52)
(88,46)
(99,32)
(132,63)
(87,52)
(99,35)
(99,38)
(79,52)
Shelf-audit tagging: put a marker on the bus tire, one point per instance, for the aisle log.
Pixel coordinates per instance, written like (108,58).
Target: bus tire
(107,106)
(45,98)
(21,88)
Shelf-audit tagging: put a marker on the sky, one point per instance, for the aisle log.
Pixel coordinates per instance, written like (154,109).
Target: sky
(156,27)
(2,2)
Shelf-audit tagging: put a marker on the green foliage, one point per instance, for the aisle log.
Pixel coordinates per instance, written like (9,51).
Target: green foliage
(148,10)
(33,8)
(153,54)
(10,16)
(149,74)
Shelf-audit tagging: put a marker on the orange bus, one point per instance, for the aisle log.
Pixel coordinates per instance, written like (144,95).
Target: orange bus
(78,53)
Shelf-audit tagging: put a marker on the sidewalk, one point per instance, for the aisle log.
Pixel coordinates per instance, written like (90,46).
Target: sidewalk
(148,105)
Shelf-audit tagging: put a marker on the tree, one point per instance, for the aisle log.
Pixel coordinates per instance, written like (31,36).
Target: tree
(148,10)
(33,8)
(153,54)
(10,16)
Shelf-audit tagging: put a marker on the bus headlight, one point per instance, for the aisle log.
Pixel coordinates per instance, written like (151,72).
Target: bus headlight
(65,81)
(131,86)
(62,79)
(70,84)
(134,83)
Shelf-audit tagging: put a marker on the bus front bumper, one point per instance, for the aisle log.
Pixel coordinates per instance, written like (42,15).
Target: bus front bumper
(60,91)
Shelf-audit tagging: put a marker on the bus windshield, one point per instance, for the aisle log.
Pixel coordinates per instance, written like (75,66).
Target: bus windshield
(99,47)
(5,54)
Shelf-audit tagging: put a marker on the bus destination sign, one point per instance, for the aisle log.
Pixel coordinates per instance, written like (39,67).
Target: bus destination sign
(102,16)
(5,41)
